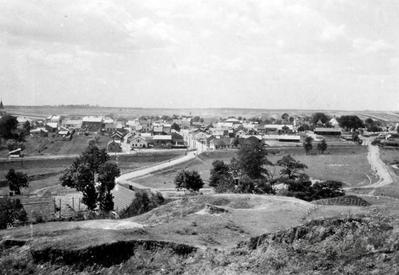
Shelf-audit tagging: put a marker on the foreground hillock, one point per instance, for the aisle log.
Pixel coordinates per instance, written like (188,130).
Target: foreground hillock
(346,245)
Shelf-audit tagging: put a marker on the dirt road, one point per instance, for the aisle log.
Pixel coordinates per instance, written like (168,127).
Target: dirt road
(382,171)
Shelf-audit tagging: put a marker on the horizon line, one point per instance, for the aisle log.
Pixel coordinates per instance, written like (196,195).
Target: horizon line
(202,108)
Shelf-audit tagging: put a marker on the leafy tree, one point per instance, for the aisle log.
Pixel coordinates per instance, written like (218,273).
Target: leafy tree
(8,127)
(316,117)
(307,144)
(256,186)
(252,158)
(219,170)
(221,178)
(82,173)
(291,167)
(189,180)
(322,146)
(373,126)
(106,176)
(285,116)
(350,122)
(11,211)
(304,127)
(94,157)
(175,127)
(16,181)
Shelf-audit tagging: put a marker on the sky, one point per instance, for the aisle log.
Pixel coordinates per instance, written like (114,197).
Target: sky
(196,54)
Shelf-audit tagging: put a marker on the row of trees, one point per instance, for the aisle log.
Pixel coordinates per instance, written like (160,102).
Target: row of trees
(94,175)
(308,145)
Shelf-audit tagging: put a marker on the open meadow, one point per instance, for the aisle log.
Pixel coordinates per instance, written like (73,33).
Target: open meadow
(348,164)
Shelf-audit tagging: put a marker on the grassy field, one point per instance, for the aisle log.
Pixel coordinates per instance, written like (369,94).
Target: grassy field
(46,172)
(390,156)
(346,164)
(56,146)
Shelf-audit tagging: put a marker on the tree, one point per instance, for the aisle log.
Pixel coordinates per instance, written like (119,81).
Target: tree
(252,158)
(221,178)
(322,146)
(175,127)
(373,126)
(307,144)
(107,173)
(16,181)
(316,117)
(189,180)
(303,128)
(350,122)
(291,167)
(285,116)
(82,173)
(218,171)
(8,127)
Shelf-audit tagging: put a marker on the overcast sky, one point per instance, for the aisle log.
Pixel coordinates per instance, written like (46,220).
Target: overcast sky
(210,53)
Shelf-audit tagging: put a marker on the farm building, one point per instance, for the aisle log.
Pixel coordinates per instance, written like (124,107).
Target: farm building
(139,142)
(162,140)
(51,127)
(327,131)
(92,123)
(39,132)
(72,124)
(109,125)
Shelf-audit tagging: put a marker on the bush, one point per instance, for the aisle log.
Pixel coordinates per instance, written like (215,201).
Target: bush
(11,213)
(143,202)
(189,180)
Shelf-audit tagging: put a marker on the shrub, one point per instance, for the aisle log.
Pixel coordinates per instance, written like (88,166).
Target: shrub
(143,202)
(11,212)
(189,180)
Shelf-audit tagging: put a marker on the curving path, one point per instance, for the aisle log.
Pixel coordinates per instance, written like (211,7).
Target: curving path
(384,173)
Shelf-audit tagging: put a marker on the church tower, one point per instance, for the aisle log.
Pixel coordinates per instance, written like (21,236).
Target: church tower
(1,105)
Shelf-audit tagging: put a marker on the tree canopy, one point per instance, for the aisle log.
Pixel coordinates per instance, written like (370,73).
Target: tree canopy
(316,117)
(350,122)
(252,158)
(16,181)
(307,144)
(291,167)
(188,179)
(91,165)
(8,127)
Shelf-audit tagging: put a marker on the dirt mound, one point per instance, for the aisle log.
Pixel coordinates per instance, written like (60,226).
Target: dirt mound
(317,231)
(105,254)
(349,200)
